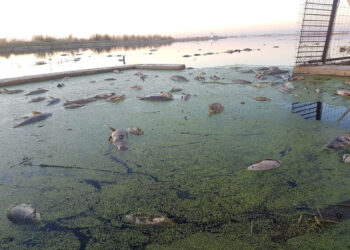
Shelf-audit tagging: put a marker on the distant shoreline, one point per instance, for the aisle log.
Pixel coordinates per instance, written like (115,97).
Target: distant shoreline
(100,42)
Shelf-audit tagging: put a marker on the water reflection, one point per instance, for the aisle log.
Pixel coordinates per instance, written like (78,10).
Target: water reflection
(321,111)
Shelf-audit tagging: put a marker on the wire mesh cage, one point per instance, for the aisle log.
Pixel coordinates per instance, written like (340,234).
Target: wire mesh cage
(324,36)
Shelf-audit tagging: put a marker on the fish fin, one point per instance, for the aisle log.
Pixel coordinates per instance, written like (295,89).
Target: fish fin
(36,112)
(113,129)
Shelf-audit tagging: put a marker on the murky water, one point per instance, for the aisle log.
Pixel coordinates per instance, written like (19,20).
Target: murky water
(263,53)
(188,167)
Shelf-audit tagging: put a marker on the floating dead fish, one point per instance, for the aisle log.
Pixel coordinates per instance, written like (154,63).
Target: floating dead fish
(116,98)
(249,71)
(296,78)
(215,108)
(179,78)
(343,92)
(346,158)
(186,97)
(143,77)
(73,106)
(37,99)
(263,68)
(23,214)
(35,118)
(175,90)
(110,79)
(80,101)
(242,81)
(155,98)
(11,91)
(104,95)
(36,92)
(261,99)
(119,138)
(264,165)
(276,71)
(339,142)
(60,85)
(214,78)
(135,130)
(166,94)
(145,219)
(284,90)
(53,101)
(137,87)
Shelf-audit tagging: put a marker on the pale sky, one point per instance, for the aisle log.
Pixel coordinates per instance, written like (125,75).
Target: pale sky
(81,18)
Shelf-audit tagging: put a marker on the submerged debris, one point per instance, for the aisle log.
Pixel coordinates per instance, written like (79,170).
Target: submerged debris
(145,219)
(53,101)
(265,165)
(215,108)
(23,214)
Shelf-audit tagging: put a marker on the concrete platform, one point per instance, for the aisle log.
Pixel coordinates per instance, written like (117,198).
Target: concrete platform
(52,76)
(329,70)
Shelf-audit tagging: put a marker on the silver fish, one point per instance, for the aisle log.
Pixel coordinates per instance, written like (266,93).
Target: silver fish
(35,118)
(53,101)
(80,101)
(178,78)
(36,92)
(37,99)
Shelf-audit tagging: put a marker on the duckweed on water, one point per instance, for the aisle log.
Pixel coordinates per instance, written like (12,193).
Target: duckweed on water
(187,167)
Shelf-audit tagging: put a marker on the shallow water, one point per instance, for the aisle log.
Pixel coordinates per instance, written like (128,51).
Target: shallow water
(188,167)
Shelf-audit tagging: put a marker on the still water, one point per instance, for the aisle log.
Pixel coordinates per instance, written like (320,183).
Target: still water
(263,53)
(188,167)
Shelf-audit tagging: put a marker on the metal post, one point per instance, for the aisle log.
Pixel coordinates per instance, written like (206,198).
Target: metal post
(319,111)
(330,30)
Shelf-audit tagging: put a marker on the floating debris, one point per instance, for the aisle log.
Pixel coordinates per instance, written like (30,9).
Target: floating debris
(23,214)
(116,98)
(215,78)
(135,130)
(36,92)
(145,219)
(35,118)
(179,78)
(215,108)
(166,94)
(339,142)
(155,98)
(119,138)
(264,165)
(261,99)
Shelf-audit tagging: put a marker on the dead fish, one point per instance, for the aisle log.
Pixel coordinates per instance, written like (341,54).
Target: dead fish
(178,78)
(60,85)
(23,214)
(74,106)
(110,79)
(186,97)
(80,101)
(215,108)
(116,98)
(35,118)
(258,85)
(137,87)
(264,165)
(242,81)
(119,138)
(275,71)
(261,99)
(248,71)
(155,98)
(296,78)
(166,94)
(37,99)
(346,158)
(104,95)
(36,92)
(284,90)
(263,68)
(339,142)
(175,90)
(143,77)
(343,92)
(145,219)
(53,101)
(135,130)
(11,91)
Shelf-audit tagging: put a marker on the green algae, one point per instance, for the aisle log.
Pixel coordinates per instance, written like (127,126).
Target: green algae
(188,167)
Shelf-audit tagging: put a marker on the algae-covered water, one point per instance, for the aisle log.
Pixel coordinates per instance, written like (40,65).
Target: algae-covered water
(188,167)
